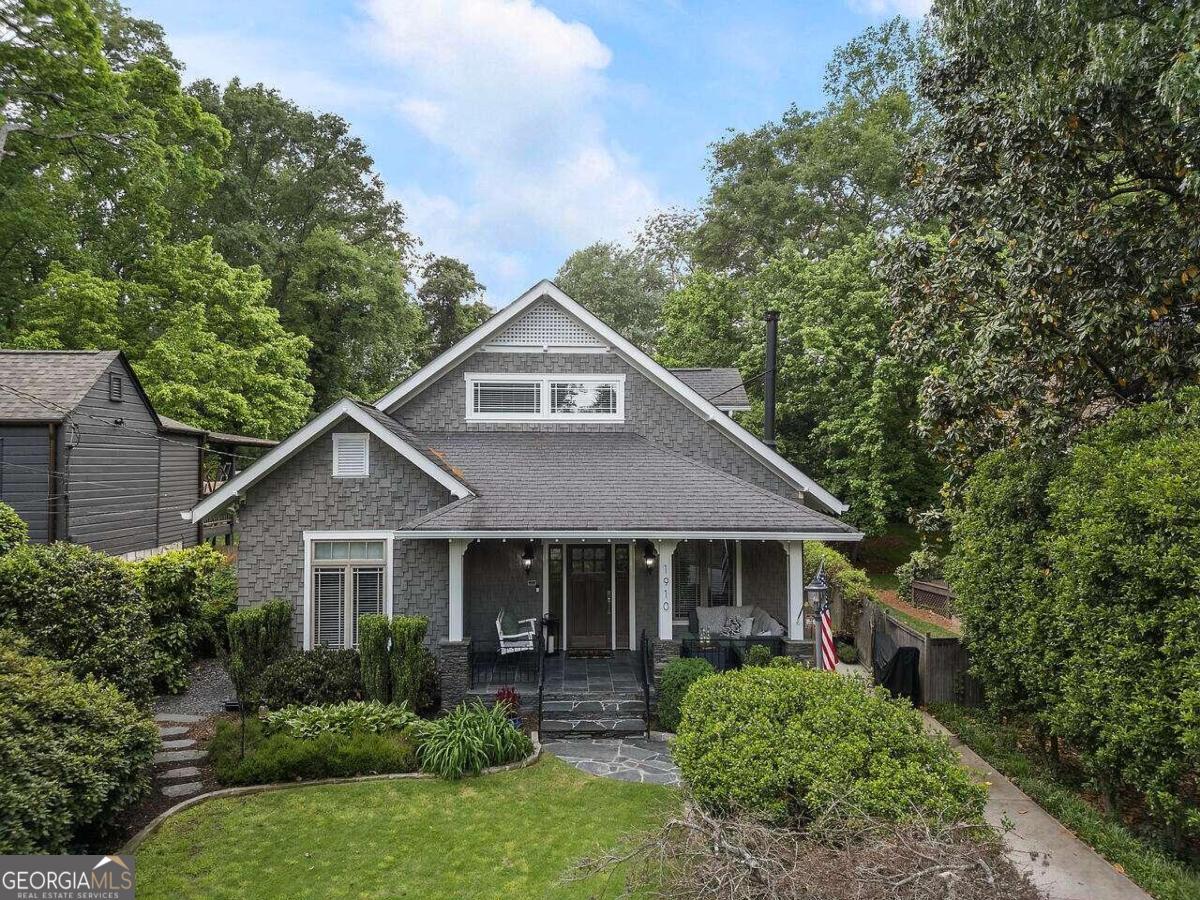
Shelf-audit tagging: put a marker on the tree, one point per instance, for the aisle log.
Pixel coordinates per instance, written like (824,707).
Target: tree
(203,341)
(704,323)
(95,164)
(127,39)
(621,286)
(450,298)
(299,197)
(1062,160)
(817,179)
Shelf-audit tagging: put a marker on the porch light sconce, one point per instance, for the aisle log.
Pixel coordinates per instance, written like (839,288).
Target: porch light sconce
(817,590)
(527,557)
(650,555)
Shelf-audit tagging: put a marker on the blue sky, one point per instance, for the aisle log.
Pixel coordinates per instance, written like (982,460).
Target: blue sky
(516,131)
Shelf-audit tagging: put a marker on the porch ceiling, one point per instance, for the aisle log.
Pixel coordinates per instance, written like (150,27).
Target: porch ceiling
(611,482)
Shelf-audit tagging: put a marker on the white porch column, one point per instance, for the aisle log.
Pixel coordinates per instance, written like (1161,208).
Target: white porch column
(795,593)
(458,547)
(666,553)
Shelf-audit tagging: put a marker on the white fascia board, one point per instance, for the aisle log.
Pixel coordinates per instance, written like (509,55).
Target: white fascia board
(632,535)
(636,358)
(300,439)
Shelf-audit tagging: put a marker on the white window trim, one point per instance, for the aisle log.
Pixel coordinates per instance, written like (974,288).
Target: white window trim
(311,537)
(545,380)
(352,437)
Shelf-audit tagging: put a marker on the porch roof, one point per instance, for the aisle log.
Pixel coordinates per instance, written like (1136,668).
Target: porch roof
(542,483)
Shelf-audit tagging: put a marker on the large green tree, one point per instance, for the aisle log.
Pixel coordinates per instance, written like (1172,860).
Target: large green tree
(819,178)
(201,337)
(1064,160)
(624,287)
(451,299)
(300,198)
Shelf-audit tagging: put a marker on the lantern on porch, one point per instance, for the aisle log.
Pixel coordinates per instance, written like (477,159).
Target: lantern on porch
(816,592)
(649,556)
(527,557)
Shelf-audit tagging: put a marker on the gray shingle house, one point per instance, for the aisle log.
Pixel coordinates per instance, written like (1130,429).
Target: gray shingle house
(85,458)
(542,465)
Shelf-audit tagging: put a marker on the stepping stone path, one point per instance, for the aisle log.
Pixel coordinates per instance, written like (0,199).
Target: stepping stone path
(174,780)
(625,759)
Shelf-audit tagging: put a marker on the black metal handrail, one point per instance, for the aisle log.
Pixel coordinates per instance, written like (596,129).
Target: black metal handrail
(540,648)
(647,660)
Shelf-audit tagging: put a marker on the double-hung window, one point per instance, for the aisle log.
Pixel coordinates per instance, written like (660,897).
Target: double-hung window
(348,580)
(538,398)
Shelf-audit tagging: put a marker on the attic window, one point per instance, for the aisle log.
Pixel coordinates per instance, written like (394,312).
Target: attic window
(351,456)
(537,398)
(116,387)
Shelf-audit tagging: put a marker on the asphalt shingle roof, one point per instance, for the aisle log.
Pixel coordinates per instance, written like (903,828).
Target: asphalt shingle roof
(58,378)
(722,386)
(601,480)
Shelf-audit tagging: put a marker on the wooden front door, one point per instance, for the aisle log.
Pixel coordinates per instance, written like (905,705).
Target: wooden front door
(589,597)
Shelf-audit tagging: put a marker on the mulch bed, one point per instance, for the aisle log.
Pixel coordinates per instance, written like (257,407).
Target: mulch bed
(891,598)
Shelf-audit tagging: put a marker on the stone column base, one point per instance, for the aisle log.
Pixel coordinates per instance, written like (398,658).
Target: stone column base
(801,651)
(454,667)
(664,652)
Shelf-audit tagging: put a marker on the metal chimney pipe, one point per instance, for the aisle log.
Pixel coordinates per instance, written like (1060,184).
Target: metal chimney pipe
(772,320)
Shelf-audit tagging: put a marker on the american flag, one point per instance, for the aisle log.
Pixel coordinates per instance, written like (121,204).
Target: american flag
(828,653)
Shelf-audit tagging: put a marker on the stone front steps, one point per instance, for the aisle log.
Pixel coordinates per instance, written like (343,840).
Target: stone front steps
(173,779)
(614,715)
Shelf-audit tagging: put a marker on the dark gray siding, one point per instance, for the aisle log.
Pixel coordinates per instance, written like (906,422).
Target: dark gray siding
(649,410)
(25,475)
(493,577)
(113,469)
(303,495)
(178,487)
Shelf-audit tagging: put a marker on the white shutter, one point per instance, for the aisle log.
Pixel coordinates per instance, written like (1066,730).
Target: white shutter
(329,606)
(368,595)
(351,456)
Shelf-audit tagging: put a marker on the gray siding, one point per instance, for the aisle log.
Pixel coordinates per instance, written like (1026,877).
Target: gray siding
(113,470)
(764,577)
(178,488)
(25,475)
(303,495)
(649,410)
(493,578)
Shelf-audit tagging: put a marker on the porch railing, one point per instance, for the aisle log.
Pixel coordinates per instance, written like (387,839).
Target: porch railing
(647,661)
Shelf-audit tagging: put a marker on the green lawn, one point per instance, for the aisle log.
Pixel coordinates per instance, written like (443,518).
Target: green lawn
(1060,792)
(507,835)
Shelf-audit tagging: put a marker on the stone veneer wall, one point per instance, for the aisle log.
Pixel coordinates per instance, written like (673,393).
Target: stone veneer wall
(303,495)
(649,410)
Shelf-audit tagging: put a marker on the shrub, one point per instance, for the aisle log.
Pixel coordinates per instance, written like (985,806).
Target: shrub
(468,740)
(81,607)
(784,743)
(847,653)
(72,754)
(923,564)
(319,675)
(13,530)
(411,663)
(373,633)
(282,757)
(258,636)
(845,580)
(186,591)
(342,718)
(677,677)
(758,656)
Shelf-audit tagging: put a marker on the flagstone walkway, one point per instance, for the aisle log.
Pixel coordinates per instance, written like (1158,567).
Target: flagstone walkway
(625,759)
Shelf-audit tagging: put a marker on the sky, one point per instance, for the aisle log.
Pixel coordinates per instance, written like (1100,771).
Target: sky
(515,132)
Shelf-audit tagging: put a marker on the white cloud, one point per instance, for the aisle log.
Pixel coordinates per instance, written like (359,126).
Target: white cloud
(513,93)
(911,8)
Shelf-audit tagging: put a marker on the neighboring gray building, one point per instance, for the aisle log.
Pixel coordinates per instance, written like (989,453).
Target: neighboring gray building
(85,458)
(542,465)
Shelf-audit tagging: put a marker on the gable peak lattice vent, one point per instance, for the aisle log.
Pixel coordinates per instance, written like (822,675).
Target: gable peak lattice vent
(545,324)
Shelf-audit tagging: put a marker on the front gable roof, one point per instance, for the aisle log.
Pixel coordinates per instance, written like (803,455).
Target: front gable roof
(382,427)
(545,292)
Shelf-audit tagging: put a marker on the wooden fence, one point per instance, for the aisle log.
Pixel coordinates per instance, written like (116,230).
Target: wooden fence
(944,662)
(934,595)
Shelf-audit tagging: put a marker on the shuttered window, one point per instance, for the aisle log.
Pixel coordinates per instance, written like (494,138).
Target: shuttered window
(347,582)
(685,573)
(351,456)
(515,398)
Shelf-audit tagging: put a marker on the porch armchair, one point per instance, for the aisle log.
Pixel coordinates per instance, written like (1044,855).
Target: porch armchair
(724,650)
(516,635)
